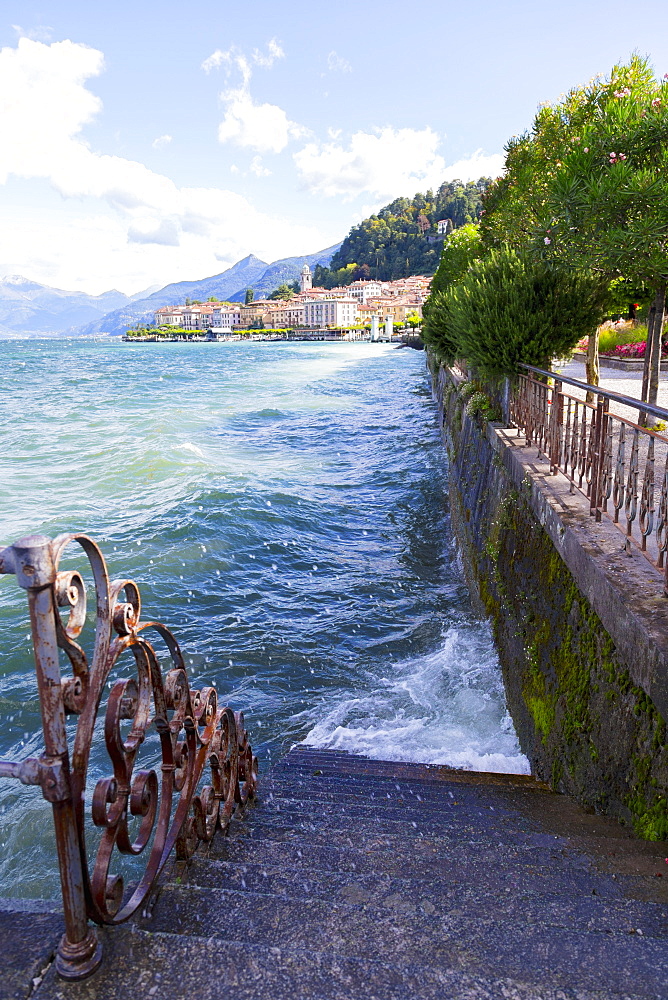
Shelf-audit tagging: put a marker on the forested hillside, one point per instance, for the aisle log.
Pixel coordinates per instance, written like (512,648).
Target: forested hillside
(402,239)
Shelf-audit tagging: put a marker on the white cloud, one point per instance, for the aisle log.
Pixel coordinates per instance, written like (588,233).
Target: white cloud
(479,164)
(385,163)
(257,168)
(40,33)
(44,107)
(162,140)
(234,57)
(274,52)
(164,234)
(337,64)
(264,127)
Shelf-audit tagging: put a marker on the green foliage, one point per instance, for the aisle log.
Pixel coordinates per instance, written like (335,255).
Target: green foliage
(437,329)
(588,184)
(285,291)
(249,296)
(402,238)
(460,249)
(480,405)
(608,198)
(509,309)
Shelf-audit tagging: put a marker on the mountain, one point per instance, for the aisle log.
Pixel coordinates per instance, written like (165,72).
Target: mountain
(282,271)
(229,285)
(28,307)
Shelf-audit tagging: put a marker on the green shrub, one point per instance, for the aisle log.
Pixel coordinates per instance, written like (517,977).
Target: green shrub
(509,309)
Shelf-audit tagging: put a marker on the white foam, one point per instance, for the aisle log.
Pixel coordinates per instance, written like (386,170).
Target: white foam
(188,446)
(447,707)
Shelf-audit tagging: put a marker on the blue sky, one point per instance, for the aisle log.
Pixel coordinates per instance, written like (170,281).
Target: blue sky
(150,142)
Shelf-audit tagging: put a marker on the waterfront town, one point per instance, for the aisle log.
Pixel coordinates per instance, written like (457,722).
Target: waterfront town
(360,304)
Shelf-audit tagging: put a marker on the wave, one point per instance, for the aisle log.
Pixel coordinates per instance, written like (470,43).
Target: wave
(445,707)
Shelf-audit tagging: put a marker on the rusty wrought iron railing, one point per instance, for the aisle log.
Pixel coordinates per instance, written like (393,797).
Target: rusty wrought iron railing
(131,809)
(620,466)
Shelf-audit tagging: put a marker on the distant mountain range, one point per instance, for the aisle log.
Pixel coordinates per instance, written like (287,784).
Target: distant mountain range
(28,308)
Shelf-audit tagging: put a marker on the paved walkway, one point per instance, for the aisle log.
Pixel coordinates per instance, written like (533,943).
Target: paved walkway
(624,382)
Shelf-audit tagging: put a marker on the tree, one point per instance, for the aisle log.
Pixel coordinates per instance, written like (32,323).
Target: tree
(608,198)
(284,291)
(564,196)
(249,296)
(460,249)
(510,308)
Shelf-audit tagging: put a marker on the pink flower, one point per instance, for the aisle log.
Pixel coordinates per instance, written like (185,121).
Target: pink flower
(586,149)
(656,103)
(547,241)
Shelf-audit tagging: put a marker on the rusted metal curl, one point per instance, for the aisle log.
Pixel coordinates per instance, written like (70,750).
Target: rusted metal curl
(206,768)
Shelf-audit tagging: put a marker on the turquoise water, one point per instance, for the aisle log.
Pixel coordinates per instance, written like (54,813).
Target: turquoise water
(283,509)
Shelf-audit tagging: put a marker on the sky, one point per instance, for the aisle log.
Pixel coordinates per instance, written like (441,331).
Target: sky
(148,142)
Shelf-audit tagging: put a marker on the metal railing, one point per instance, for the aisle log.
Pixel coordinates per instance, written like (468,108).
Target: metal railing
(620,466)
(131,809)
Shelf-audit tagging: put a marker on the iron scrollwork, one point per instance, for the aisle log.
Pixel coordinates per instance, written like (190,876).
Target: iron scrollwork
(169,806)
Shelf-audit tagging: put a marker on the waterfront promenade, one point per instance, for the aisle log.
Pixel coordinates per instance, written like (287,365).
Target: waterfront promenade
(627,383)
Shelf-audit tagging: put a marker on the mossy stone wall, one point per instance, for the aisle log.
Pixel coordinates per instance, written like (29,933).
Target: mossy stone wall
(585,726)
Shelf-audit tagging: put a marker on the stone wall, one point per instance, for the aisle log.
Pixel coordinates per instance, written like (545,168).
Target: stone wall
(580,625)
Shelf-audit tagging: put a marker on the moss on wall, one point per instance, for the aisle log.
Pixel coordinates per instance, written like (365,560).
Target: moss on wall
(581,721)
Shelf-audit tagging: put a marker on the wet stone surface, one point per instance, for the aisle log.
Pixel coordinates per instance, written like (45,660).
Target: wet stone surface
(328,889)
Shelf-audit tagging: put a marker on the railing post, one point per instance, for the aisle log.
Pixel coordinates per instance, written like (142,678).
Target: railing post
(597,459)
(195,733)
(79,951)
(556,424)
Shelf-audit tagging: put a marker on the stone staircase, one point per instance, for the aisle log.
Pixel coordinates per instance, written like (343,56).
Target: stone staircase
(354,879)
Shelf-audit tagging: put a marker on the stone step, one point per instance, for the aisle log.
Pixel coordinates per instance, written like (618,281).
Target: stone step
(510,802)
(535,880)
(530,904)
(390,796)
(476,944)
(340,829)
(397,855)
(169,967)
(29,935)
(344,764)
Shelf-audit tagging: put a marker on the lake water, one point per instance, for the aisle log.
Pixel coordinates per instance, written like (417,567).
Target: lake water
(283,508)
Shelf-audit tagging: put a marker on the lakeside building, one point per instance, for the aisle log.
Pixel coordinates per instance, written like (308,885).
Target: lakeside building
(398,310)
(285,315)
(196,317)
(318,307)
(251,312)
(169,316)
(227,316)
(330,311)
